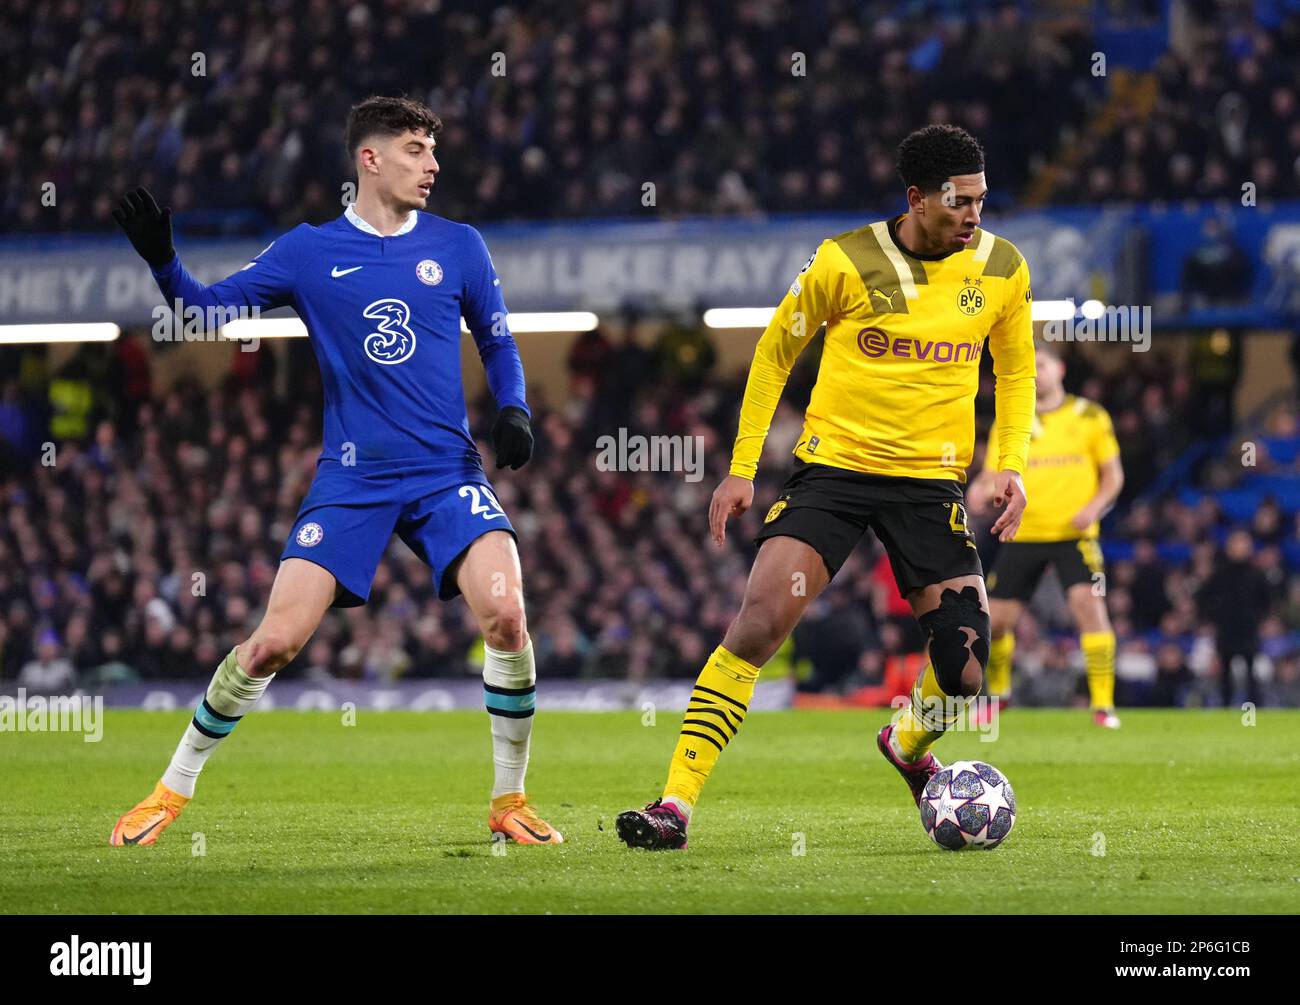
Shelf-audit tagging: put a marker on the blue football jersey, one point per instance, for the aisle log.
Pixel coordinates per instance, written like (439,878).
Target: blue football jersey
(383,314)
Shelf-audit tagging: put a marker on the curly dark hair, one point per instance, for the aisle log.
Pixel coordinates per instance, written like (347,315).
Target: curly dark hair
(384,116)
(931,155)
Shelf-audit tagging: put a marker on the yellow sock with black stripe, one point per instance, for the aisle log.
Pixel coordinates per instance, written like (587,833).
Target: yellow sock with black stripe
(714,715)
(997,676)
(927,718)
(1099,660)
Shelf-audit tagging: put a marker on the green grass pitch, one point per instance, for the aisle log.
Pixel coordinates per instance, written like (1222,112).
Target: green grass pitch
(299,813)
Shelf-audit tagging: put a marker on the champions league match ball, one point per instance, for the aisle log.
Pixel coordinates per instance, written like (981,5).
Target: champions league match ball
(969,804)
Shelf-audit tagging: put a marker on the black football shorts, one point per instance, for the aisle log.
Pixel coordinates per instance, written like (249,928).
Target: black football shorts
(1019,565)
(920,521)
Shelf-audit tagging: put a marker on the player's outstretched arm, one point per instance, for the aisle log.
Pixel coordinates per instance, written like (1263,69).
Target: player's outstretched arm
(264,283)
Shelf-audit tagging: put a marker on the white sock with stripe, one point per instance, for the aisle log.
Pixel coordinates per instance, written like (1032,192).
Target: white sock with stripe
(509,693)
(230,696)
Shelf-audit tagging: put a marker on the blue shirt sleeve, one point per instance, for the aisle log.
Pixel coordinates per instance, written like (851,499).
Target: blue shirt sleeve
(266,282)
(487,319)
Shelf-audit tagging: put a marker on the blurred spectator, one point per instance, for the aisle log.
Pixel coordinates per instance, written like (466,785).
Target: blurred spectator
(1173,677)
(49,673)
(1235,600)
(1217,271)
(832,635)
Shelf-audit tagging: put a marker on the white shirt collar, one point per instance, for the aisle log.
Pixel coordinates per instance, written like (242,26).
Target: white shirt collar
(361,225)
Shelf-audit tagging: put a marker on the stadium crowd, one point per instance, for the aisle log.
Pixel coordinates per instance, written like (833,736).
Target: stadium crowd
(146,543)
(1223,109)
(560,110)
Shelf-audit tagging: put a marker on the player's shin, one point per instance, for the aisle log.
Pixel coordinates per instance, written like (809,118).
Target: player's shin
(231,694)
(509,692)
(930,713)
(959,633)
(1099,661)
(714,714)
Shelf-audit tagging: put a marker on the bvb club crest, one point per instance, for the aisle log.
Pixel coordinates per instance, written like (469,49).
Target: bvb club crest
(970,298)
(775,511)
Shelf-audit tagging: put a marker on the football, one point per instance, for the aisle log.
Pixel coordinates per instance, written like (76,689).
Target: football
(969,804)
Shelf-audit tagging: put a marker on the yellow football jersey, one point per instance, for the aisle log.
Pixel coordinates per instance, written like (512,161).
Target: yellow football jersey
(895,391)
(1067,448)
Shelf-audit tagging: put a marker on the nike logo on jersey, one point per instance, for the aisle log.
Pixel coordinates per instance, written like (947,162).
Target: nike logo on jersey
(336,271)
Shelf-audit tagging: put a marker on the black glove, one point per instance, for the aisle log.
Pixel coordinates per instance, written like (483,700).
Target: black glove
(148,228)
(512,438)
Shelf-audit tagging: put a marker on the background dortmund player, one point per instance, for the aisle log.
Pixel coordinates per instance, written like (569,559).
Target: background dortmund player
(908,304)
(1074,478)
(382,289)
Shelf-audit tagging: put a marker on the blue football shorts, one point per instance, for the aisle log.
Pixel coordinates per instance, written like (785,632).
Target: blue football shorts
(349,516)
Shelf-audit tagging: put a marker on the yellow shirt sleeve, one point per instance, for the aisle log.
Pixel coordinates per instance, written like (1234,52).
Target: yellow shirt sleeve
(991,451)
(813,298)
(1011,340)
(1104,444)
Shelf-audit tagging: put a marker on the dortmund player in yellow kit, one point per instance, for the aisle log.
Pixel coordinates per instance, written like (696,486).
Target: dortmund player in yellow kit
(908,305)
(1074,477)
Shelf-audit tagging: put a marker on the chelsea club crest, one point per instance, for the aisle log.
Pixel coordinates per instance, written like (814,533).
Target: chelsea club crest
(429,272)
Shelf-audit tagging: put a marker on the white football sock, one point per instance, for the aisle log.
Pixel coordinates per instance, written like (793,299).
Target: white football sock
(231,694)
(509,692)
(680,805)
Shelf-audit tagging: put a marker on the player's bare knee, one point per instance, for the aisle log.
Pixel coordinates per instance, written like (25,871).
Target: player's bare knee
(266,653)
(504,626)
(959,634)
(758,631)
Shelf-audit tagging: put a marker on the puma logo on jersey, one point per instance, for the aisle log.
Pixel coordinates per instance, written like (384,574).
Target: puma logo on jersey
(886,297)
(336,271)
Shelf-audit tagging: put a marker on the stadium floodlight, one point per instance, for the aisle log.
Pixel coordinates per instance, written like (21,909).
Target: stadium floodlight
(524,322)
(1092,309)
(738,317)
(97,331)
(1053,310)
(259,328)
(550,321)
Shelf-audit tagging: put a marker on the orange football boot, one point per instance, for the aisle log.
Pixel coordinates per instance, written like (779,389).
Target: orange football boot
(147,819)
(513,819)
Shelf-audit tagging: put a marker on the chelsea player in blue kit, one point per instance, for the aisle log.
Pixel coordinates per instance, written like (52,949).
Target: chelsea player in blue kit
(381,289)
